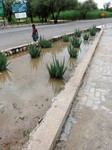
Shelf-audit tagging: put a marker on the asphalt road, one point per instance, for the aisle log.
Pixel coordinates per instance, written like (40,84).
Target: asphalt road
(12,37)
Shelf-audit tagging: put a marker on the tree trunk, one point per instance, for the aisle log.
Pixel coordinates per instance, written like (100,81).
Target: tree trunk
(31,18)
(45,19)
(55,21)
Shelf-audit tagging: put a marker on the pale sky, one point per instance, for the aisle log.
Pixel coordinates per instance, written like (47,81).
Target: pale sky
(100,2)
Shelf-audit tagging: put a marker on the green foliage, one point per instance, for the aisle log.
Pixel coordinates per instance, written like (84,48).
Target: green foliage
(72,52)
(56,69)
(86,36)
(77,33)
(34,51)
(3,62)
(65,38)
(36,20)
(30,9)
(8,9)
(13,21)
(45,43)
(92,31)
(97,14)
(41,8)
(75,42)
(76,14)
(69,15)
(87,6)
(56,6)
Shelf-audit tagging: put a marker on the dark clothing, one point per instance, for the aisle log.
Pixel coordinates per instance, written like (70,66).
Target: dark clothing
(35,37)
(35,34)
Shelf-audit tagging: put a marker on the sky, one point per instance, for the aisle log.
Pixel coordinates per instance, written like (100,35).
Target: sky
(100,2)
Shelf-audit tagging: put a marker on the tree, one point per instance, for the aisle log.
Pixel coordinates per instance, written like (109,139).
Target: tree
(30,9)
(41,8)
(107,6)
(7,9)
(87,6)
(56,6)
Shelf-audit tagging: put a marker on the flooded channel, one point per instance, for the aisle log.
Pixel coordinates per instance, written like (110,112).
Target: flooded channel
(26,91)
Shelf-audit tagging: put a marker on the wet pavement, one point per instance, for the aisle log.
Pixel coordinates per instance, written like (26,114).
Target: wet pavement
(89,125)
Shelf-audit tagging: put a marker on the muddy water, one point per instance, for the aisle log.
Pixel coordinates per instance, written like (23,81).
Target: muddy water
(26,92)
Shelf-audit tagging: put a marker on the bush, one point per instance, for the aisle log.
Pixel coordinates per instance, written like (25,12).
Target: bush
(92,31)
(56,69)
(3,62)
(86,36)
(77,33)
(75,42)
(97,14)
(72,52)
(69,15)
(65,38)
(34,51)
(45,43)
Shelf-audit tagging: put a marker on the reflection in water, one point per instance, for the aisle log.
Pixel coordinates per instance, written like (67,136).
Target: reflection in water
(34,63)
(56,48)
(17,55)
(72,63)
(4,76)
(57,85)
(86,43)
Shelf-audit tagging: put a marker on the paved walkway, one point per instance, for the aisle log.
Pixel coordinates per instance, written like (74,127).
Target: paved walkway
(90,121)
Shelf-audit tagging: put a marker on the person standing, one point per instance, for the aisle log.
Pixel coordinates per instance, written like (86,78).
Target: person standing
(34,33)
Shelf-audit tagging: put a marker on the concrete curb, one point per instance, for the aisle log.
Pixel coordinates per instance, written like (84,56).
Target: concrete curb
(45,135)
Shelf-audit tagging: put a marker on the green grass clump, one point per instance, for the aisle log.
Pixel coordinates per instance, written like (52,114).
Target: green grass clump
(75,42)
(77,33)
(56,69)
(45,43)
(34,51)
(65,38)
(72,52)
(86,36)
(3,62)
(93,31)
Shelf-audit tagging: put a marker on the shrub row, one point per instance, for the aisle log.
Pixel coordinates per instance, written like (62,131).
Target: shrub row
(56,69)
(75,15)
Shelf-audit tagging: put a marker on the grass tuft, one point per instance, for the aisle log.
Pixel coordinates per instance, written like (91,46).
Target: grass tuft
(45,43)
(56,69)
(72,52)
(3,62)
(34,51)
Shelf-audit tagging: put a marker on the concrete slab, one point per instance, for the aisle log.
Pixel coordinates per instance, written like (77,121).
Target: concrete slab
(92,111)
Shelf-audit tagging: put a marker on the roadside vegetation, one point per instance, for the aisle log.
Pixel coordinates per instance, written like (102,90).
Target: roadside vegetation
(72,52)
(34,51)
(65,38)
(57,68)
(86,36)
(3,62)
(92,31)
(75,41)
(53,11)
(44,43)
